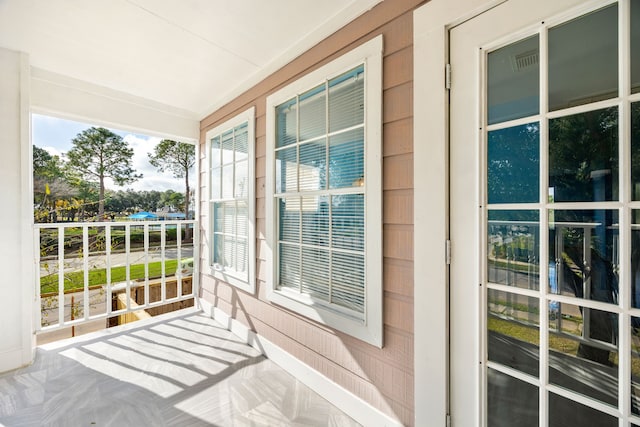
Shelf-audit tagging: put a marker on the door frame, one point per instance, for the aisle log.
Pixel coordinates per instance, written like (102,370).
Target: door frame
(431,24)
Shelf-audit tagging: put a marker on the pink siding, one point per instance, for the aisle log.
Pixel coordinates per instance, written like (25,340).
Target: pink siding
(382,377)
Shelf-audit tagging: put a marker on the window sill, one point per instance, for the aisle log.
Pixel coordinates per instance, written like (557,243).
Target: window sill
(326,315)
(233,279)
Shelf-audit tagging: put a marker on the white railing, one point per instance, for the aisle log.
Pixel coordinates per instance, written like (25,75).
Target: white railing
(95,271)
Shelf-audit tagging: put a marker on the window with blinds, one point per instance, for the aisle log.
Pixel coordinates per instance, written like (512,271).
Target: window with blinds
(231,202)
(324,190)
(320,192)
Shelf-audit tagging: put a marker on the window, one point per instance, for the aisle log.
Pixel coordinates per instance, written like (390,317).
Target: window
(324,194)
(230,148)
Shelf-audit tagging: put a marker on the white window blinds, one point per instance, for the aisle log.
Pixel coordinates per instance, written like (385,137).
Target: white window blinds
(320,191)
(323,194)
(231,201)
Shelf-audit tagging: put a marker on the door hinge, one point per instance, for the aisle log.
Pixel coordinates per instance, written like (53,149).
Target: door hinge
(448,420)
(447,76)
(448,251)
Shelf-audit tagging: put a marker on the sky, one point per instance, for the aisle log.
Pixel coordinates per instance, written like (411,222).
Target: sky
(55,135)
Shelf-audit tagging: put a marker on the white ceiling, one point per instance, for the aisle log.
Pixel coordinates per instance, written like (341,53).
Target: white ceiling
(194,55)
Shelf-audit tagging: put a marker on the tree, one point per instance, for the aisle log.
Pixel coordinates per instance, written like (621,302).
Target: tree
(53,192)
(88,192)
(45,165)
(97,154)
(583,156)
(176,157)
(150,200)
(512,164)
(172,199)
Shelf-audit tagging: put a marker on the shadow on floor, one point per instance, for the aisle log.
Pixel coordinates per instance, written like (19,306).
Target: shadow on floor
(182,370)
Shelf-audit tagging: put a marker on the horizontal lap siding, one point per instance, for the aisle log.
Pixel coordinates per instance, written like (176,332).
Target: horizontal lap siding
(382,377)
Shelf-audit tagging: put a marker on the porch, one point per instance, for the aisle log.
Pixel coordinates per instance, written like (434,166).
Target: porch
(181,368)
(172,73)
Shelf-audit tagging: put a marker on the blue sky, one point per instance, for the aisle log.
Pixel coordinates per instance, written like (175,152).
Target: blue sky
(55,135)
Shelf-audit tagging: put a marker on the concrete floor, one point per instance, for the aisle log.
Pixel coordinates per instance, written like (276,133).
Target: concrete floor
(180,369)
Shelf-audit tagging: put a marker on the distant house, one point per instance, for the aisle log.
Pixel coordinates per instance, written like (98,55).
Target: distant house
(170,216)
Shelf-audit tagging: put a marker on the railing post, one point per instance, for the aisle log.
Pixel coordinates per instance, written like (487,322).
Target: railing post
(72,317)
(38,289)
(107,243)
(195,276)
(586,282)
(61,275)
(146,265)
(127,248)
(163,247)
(179,258)
(85,265)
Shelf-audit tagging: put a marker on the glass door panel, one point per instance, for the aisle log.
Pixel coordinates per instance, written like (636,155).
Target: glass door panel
(583,157)
(635,365)
(635,150)
(560,134)
(513,331)
(583,254)
(583,356)
(564,412)
(557,165)
(511,402)
(513,164)
(514,81)
(635,46)
(513,248)
(583,59)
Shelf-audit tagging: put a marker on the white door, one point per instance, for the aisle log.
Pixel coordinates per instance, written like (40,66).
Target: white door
(545,215)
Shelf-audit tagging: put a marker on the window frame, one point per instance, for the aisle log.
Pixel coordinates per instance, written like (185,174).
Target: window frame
(230,276)
(369,328)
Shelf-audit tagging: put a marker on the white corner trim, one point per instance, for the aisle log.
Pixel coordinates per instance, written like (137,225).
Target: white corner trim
(338,396)
(27,249)
(431,24)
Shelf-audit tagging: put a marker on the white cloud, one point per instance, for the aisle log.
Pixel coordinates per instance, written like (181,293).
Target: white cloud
(53,151)
(152,179)
(149,183)
(55,135)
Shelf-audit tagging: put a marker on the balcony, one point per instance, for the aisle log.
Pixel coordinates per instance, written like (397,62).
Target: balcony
(100,274)
(177,369)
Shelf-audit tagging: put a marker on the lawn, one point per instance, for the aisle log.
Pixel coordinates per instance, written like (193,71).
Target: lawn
(75,280)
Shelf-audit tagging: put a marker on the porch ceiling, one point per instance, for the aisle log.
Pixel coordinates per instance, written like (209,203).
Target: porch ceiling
(195,55)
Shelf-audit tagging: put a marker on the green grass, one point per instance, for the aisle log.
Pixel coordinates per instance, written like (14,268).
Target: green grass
(98,276)
(531,335)
(514,330)
(519,266)
(564,345)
